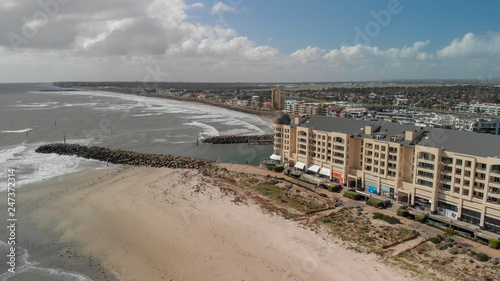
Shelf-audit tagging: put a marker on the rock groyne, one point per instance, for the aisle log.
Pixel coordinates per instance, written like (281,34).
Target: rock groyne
(116,156)
(256,139)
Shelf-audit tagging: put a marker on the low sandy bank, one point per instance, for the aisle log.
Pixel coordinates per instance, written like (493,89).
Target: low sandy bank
(163,224)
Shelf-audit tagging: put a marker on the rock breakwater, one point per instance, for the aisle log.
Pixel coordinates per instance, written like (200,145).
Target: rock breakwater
(126,157)
(255,139)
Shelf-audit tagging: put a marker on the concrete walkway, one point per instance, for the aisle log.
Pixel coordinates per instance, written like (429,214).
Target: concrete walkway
(425,230)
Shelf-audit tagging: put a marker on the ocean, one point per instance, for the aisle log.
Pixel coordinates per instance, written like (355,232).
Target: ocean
(35,114)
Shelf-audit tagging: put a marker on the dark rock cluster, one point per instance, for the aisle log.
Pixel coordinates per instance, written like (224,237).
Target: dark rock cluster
(125,157)
(258,139)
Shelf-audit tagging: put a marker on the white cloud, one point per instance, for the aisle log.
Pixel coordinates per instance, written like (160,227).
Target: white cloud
(361,54)
(197,5)
(308,54)
(107,41)
(472,46)
(222,7)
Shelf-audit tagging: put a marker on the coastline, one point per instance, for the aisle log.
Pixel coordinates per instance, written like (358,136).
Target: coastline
(264,115)
(159,223)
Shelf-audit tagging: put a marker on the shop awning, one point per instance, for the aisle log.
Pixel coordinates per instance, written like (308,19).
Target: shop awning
(300,165)
(313,168)
(275,157)
(402,195)
(325,172)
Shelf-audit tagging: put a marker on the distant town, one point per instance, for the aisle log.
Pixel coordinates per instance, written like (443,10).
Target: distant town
(460,105)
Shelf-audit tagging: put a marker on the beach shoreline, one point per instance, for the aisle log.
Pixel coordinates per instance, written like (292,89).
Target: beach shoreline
(139,223)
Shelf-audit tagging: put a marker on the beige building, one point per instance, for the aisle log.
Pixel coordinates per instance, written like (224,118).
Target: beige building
(452,175)
(277,99)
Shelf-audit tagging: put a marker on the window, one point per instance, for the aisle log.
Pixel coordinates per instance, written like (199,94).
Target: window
(445,187)
(426,156)
(493,200)
(468,164)
(481,166)
(479,185)
(478,195)
(446,160)
(426,165)
(425,174)
(396,139)
(424,183)
(447,169)
(495,190)
(459,162)
(393,150)
(458,171)
(446,178)
(447,206)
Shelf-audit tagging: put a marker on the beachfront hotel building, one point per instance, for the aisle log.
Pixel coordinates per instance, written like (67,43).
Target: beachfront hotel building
(452,175)
(277,99)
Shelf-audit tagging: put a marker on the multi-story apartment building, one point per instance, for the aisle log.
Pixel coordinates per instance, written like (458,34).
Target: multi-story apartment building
(277,99)
(451,174)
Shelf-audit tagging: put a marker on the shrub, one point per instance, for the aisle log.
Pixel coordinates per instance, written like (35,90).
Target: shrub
(482,257)
(435,240)
(420,218)
(335,188)
(389,219)
(374,202)
(326,219)
(494,243)
(402,212)
(278,169)
(352,195)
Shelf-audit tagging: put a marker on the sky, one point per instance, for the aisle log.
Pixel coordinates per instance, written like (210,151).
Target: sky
(248,40)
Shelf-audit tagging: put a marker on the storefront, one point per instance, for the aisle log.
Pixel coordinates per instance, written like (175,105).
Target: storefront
(471,216)
(447,210)
(403,197)
(422,204)
(371,187)
(338,178)
(387,191)
(492,225)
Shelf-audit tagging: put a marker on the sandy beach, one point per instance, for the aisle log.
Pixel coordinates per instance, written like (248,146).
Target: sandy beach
(163,224)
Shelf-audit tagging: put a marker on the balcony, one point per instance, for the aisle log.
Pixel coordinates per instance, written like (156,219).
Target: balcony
(495,183)
(494,190)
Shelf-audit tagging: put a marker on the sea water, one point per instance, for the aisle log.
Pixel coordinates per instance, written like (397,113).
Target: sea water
(35,114)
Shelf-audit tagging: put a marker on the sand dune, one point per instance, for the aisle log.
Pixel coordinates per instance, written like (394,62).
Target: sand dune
(163,224)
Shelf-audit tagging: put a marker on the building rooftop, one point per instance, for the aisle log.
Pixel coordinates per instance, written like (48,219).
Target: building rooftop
(463,142)
(470,143)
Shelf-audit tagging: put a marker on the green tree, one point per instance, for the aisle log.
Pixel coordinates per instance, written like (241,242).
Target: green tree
(261,102)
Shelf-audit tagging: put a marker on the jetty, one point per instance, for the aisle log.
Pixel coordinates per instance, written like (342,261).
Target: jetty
(231,139)
(116,156)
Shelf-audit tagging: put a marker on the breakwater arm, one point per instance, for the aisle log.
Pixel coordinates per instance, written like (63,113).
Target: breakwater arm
(256,139)
(125,157)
